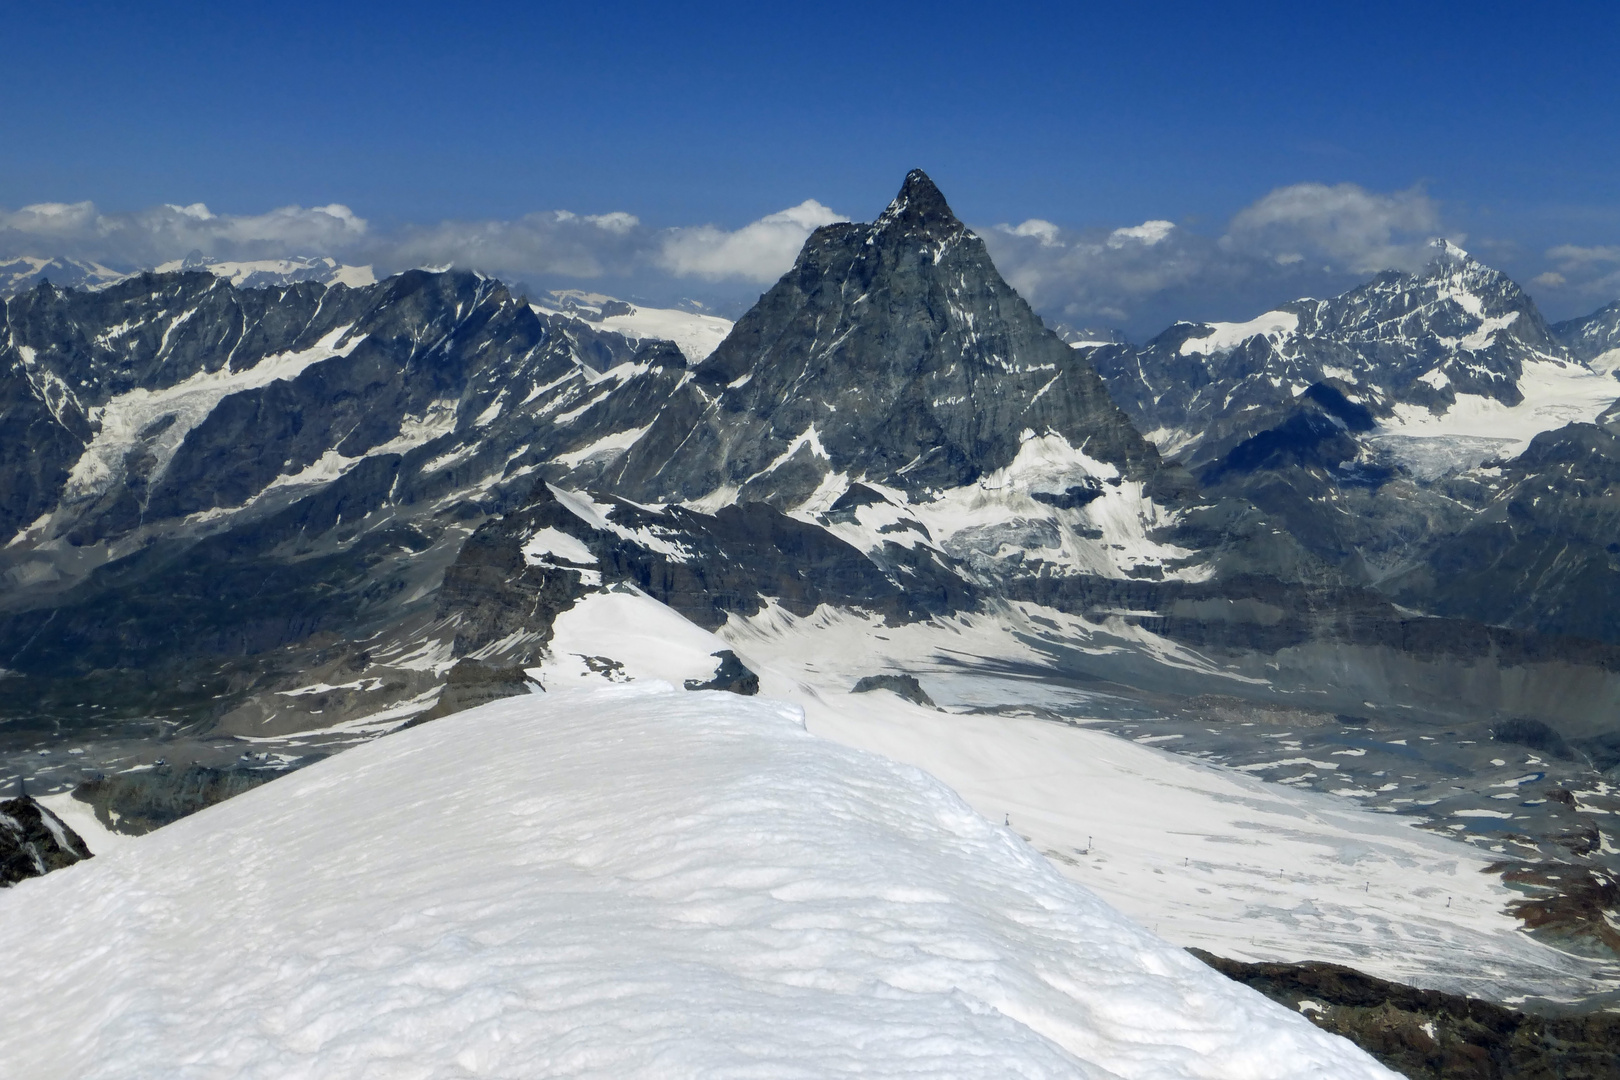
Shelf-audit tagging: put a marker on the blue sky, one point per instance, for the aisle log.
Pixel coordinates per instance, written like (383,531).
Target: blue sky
(440,125)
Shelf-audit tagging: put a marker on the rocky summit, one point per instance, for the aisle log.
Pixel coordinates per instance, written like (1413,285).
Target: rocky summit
(892,352)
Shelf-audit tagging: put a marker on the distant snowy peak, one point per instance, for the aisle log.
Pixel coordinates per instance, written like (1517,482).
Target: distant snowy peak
(1592,336)
(23,272)
(695,333)
(271,273)
(1457,337)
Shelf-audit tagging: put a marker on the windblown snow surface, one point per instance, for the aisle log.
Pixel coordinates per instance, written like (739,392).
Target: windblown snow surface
(623,881)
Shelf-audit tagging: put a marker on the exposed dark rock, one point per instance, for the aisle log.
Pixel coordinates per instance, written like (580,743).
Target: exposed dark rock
(1603,751)
(1430,1035)
(1591,335)
(1069,498)
(497,593)
(1541,551)
(34,841)
(1398,338)
(138,802)
(1534,734)
(905,686)
(892,350)
(470,683)
(1576,907)
(218,541)
(732,675)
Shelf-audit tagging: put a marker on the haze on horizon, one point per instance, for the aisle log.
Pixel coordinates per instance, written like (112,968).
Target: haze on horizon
(1126,168)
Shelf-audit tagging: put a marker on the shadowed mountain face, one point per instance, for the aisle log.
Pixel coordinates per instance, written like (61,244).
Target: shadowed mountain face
(1543,551)
(1590,336)
(893,352)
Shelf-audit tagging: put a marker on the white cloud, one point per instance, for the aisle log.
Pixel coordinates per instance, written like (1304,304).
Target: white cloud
(615,222)
(1148,233)
(1581,273)
(1037,228)
(50,219)
(554,242)
(162,233)
(1571,255)
(1344,226)
(1297,240)
(761,251)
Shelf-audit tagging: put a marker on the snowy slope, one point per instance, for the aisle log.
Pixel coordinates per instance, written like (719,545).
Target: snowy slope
(1207,856)
(22,272)
(1555,392)
(695,334)
(629,881)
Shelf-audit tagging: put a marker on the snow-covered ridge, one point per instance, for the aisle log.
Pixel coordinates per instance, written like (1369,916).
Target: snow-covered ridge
(1224,337)
(628,882)
(694,333)
(23,272)
(260,273)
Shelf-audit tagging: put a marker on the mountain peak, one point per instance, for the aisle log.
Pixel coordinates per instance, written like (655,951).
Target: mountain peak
(919,202)
(1446,253)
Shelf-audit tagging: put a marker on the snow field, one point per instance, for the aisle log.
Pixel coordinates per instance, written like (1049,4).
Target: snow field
(1203,855)
(621,882)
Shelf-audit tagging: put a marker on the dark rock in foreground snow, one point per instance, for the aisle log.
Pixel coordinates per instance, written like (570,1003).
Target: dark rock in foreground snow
(34,841)
(732,675)
(906,686)
(1430,1035)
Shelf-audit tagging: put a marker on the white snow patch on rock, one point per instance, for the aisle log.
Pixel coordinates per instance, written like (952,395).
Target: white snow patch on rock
(1224,337)
(553,541)
(121,420)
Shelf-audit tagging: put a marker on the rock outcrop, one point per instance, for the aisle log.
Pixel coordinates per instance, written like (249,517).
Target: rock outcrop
(34,841)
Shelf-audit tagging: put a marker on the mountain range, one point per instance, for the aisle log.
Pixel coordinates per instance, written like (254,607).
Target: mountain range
(274,516)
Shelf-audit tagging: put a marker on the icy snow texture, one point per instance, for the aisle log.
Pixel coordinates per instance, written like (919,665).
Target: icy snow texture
(628,882)
(1204,855)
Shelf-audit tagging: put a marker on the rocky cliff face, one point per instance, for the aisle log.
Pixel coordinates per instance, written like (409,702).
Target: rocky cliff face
(1590,336)
(1543,550)
(193,475)
(892,352)
(1414,434)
